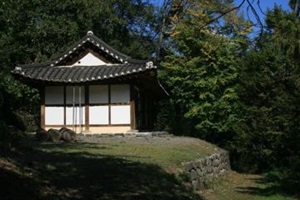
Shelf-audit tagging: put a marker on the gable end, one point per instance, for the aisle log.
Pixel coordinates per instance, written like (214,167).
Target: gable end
(94,45)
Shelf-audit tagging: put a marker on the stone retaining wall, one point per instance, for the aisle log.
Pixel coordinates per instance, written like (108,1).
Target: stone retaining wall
(203,171)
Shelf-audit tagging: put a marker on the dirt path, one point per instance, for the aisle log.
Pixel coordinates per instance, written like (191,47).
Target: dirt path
(237,186)
(232,187)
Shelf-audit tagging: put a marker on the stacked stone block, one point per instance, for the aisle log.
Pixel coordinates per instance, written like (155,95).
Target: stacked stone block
(203,171)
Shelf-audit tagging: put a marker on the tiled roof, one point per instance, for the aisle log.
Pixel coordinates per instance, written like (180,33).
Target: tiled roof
(80,74)
(57,71)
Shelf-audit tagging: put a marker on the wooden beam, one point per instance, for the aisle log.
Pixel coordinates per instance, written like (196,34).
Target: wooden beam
(132,108)
(87,108)
(109,104)
(65,106)
(42,107)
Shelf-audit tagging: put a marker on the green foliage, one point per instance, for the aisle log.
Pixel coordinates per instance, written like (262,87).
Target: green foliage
(201,73)
(249,105)
(34,31)
(268,134)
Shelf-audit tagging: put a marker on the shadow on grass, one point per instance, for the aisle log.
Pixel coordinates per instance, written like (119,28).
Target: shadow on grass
(54,175)
(269,186)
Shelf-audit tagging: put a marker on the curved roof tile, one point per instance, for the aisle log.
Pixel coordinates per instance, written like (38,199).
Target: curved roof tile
(57,70)
(79,74)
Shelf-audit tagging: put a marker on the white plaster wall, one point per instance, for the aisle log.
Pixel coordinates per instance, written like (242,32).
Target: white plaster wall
(120,114)
(77,111)
(89,60)
(109,129)
(54,95)
(120,93)
(98,115)
(54,115)
(98,93)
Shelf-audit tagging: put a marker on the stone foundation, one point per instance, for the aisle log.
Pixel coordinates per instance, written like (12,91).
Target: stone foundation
(203,171)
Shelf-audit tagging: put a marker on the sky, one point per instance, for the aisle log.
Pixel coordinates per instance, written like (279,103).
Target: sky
(269,3)
(265,4)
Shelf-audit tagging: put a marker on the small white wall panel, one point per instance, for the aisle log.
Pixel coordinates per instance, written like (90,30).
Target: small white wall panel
(54,115)
(77,112)
(54,95)
(98,115)
(73,94)
(98,93)
(89,60)
(120,114)
(120,93)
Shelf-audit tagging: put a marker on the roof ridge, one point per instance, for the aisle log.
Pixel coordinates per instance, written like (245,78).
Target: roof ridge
(97,42)
(90,37)
(108,46)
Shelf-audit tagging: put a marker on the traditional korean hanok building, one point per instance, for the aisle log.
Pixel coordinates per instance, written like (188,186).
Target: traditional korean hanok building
(93,88)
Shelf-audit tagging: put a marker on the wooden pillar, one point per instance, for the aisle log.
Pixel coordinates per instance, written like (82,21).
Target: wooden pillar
(65,105)
(109,104)
(42,107)
(132,108)
(87,107)
(151,113)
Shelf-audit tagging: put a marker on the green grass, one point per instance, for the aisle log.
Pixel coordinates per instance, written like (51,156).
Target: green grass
(166,153)
(236,186)
(118,168)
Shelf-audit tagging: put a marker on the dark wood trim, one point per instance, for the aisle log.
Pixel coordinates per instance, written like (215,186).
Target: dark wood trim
(106,104)
(56,105)
(115,105)
(91,125)
(65,107)
(109,106)
(56,125)
(132,108)
(42,107)
(108,125)
(151,113)
(86,107)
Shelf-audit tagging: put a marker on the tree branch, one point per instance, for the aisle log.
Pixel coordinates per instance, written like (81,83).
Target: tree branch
(225,13)
(257,18)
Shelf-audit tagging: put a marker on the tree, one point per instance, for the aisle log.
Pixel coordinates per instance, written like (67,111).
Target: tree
(295,5)
(268,136)
(201,72)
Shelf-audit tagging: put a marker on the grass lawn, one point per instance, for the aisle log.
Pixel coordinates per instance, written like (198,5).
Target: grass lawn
(100,168)
(236,186)
(115,168)
(165,152)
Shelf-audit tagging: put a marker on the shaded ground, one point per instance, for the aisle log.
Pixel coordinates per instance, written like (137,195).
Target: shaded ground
(236,186)
(80,171)
(118,168)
